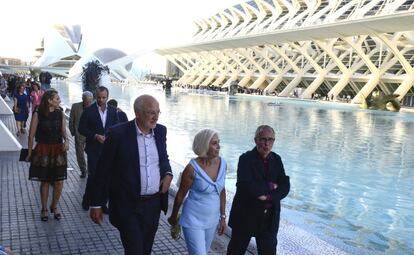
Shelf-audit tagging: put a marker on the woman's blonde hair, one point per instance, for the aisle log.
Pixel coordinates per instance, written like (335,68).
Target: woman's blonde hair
(202,140)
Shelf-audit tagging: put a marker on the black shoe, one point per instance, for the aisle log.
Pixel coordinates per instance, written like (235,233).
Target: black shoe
(85,205)
(83,175)
(105,209)
(44,216)
(56,214)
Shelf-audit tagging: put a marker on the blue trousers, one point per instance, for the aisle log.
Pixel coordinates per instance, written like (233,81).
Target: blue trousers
(199,240)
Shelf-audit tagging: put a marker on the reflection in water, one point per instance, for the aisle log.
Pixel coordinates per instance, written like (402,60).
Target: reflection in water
(352,171)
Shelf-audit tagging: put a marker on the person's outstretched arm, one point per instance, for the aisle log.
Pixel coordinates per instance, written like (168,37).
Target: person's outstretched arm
(187,179)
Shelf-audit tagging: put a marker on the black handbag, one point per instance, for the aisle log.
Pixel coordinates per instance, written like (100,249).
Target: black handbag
(16,110)
(23,154)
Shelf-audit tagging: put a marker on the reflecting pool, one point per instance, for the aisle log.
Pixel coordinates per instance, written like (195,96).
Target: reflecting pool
(352,171)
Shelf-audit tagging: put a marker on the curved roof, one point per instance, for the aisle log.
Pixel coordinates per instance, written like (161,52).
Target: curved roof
(106,55)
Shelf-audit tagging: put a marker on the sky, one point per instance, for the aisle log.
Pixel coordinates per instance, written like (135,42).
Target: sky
(128,25)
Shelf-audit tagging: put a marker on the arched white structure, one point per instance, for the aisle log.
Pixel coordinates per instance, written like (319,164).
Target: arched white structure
(119,64)
(64,52)
(61,47)
(330,47)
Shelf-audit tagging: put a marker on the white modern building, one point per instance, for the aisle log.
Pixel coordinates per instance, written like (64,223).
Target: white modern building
(64,52)
(118,62)
(61,47)
(336,48)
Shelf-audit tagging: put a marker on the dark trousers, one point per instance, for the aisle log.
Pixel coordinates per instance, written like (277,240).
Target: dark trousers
(92,162)
(80,153)
(138,233)
(266,240)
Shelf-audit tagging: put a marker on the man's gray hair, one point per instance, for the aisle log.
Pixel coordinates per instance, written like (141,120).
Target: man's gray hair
(261,128)
(201,143)
(139,103)
(86,94)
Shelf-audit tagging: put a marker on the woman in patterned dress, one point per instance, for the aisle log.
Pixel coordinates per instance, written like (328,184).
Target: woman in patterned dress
(49,157)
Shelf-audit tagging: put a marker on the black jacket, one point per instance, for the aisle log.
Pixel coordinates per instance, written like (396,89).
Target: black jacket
(90,124)
(247,210)
(118,169)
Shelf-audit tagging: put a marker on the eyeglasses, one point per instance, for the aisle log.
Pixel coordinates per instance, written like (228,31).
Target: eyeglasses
(153,113)
(266,140)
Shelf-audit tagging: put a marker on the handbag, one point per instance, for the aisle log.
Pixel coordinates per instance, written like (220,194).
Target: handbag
(23,154)
(16,109)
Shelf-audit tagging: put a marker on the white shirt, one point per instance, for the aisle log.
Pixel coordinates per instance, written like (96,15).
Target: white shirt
(103,114)
(149,165)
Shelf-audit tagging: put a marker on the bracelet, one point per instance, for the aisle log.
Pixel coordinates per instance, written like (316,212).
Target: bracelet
(223,216)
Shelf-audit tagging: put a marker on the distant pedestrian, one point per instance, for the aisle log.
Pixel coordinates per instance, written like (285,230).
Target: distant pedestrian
(11,85)
(21,108)
(122,117)
(45,80)
(261,184)
(80,141)
(204,210)
(36,96)
(49,157)
(3,86)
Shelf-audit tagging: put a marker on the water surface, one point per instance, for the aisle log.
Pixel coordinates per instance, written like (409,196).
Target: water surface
(351,170)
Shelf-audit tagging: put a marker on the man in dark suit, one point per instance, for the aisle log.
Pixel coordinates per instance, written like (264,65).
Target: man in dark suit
(45,80)
(122,117)
(134,165)
(261,184)
(94,124)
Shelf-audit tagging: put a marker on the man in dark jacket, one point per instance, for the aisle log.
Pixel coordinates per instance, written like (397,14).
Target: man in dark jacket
(94,124)
(134,165)
(45,80)
(261,184)
(122,117)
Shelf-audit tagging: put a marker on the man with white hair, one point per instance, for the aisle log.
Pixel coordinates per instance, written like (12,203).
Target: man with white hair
(134,166)
(75,114)
(261,184)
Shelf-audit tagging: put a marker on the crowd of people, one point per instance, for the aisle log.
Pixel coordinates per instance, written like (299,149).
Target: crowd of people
(129,174)
(26,94)
(343,98)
